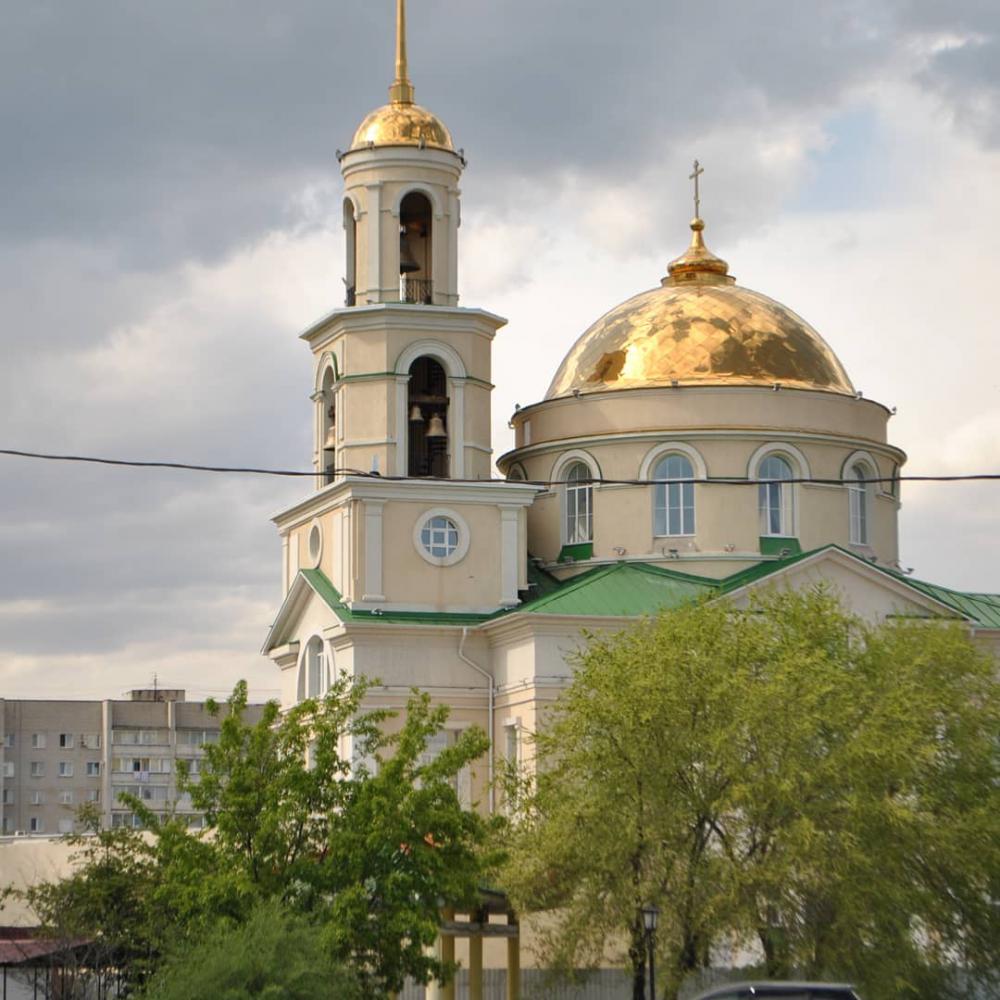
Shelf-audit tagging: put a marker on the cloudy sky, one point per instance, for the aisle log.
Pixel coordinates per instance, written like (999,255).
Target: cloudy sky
(169,222)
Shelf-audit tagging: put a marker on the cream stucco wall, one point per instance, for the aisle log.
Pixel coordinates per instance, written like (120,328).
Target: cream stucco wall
(723,429)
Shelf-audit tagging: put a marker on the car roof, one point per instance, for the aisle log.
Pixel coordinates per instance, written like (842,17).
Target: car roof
(780,987)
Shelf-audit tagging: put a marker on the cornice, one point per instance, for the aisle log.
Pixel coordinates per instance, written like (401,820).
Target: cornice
(405,317)
(442,492)
(700,433)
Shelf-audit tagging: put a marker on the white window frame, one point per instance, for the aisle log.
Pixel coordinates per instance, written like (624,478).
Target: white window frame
(570,506)
(38,741)
(789,494)
(65,769)
(37,769)
(8,741)
(93,769)
(321,665)
(37,798)
(464,536)
(36,824)
(67,741)
(7,769)
(860,465)
(66,797)
(673,494)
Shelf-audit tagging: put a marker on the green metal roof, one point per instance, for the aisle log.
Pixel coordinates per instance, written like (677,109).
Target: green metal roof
(983,610)
(625,589)
(633,589)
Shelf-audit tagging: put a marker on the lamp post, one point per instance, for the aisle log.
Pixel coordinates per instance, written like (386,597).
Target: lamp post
(650,920)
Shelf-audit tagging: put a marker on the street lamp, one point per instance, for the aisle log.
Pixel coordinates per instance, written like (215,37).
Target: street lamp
(650,920)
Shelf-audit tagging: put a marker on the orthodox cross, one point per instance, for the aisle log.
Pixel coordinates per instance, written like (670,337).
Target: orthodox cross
(696,177)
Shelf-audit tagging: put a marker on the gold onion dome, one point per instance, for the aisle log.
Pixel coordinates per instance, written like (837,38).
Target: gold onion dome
(402,122)
(699,328)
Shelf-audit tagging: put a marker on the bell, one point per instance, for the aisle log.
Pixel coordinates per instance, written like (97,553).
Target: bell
(331,437)
(416,417)
(436,428)
(407,262)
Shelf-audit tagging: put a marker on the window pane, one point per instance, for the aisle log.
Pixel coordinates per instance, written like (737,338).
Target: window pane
(579,520)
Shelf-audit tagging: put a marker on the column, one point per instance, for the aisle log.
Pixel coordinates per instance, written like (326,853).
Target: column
(514,962)
(476,967)
(510,555)
(445,953)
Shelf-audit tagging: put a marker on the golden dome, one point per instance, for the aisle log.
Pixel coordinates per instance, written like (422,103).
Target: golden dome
(699,328)
(400,124)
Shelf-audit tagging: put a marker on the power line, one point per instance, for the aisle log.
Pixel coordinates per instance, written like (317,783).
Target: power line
(594,481)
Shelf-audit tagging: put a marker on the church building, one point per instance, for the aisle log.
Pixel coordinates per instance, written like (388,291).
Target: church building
(698,439)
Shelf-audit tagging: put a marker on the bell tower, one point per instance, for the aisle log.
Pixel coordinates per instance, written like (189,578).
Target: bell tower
(406,514)
(401,206)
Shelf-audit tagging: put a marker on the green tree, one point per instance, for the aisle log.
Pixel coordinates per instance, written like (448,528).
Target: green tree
(789,775)
(275,955)
(367,853)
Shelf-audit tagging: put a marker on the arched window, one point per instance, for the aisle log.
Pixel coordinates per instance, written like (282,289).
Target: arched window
(859,491)
(416,221)
(579,504)
(314,676)
(328,426)
(429,454)
(674,499)
(775,497)
(351,254)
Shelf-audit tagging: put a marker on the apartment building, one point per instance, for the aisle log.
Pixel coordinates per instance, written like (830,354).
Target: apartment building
(56,756)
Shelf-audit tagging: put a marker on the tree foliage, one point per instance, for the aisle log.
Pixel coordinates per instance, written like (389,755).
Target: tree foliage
(276,955)
(787,775)
(365,852)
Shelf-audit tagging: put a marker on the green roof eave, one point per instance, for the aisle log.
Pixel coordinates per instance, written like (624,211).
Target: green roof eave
(329,594)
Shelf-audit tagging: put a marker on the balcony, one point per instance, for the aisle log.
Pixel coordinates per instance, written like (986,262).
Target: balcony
(416,291)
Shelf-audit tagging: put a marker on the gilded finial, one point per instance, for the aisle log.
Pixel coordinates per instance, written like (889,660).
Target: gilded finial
(401,91)
(698,265)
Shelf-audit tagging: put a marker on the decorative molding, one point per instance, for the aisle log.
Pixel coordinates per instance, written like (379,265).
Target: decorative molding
(464,536)
(763,434)
(673,448)
(567,458)
(373,589)
(781,449)
(425,189)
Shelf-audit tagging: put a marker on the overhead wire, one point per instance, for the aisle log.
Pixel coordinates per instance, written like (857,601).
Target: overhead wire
(594,481)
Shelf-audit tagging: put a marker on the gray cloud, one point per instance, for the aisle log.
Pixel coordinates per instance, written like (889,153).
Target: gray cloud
(168,131)
(145,142)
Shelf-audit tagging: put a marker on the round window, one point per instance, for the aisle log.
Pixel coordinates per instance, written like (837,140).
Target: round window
(315,543)
(439,537)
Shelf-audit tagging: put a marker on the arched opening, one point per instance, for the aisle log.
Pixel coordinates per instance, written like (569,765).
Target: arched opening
(775,497)
(351,254)
(416,223)
(674,496)
(859,490)
(429,434)
(328,426)
(314,679)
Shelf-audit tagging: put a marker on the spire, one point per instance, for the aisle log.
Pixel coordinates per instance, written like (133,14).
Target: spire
(401,91)
(698,264)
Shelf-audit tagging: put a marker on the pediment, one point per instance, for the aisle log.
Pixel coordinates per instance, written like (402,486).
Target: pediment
(863,587)
(307,610)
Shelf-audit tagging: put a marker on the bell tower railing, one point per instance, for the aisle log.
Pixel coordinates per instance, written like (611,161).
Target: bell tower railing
(416,291)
